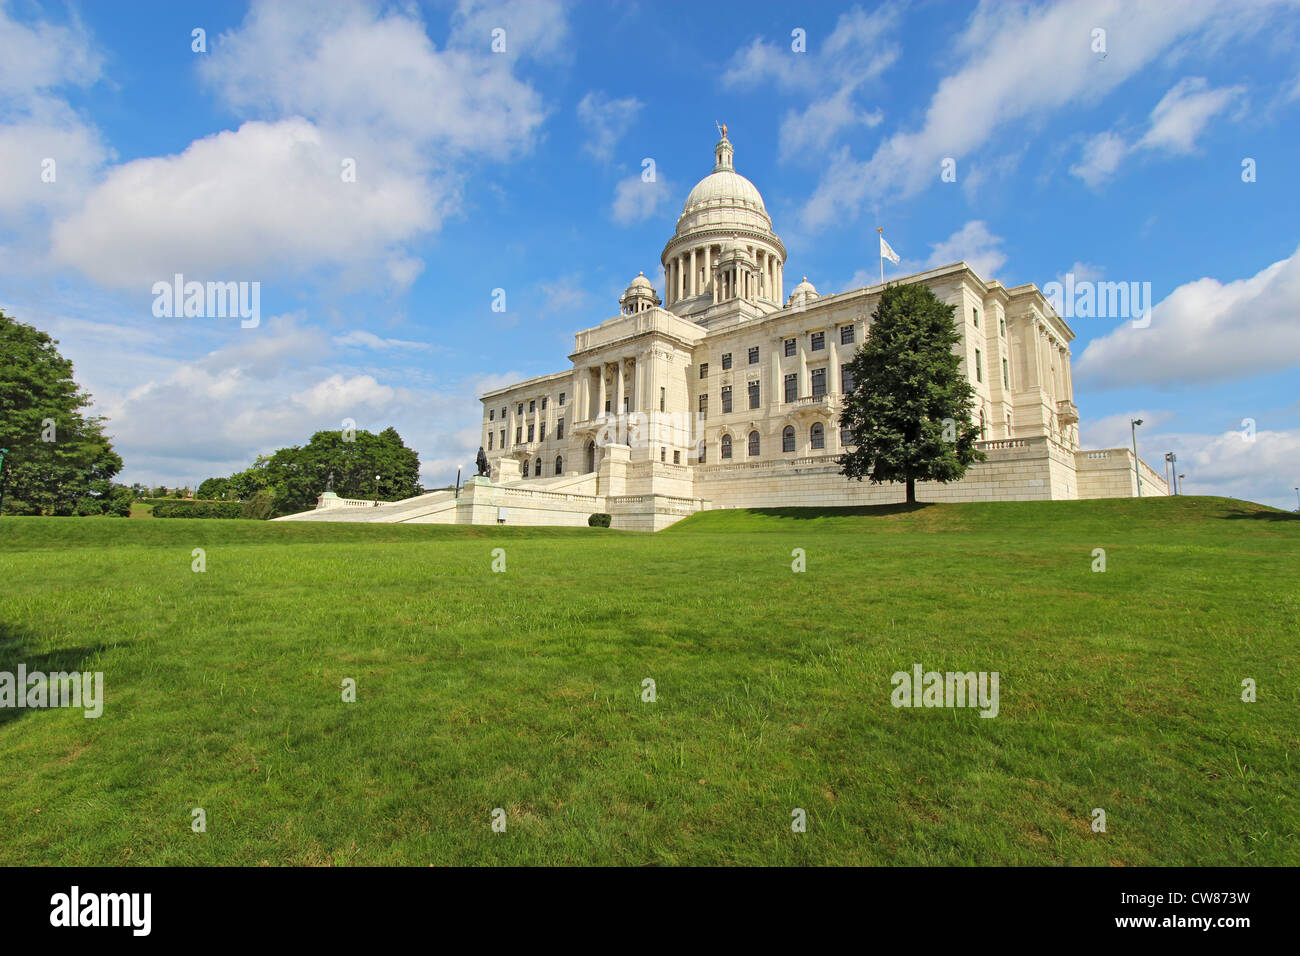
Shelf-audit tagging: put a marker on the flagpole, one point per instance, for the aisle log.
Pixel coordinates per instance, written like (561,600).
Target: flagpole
(881,229)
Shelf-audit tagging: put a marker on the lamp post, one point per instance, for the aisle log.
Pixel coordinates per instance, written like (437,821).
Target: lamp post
(1133,424)
(1297,497)
(3,452)
(1180,480)
(376,491)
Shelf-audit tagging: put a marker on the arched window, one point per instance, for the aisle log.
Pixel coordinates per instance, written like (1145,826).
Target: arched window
(591,456)
(817,435)
(537,468)
(526,472)
(559,464)
(753,443)
(787,438)
(726,446)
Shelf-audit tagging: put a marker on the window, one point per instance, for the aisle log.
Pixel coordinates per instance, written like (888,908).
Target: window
(753,355)
(726,361)
(1006,375)
(561,399)
(608,405)
(541,432)
(703,449)
(818,382)
(532,406)
(753,444)
(503,438)
(663,454)
(490,437)
(753,394)
(503,413)
(559,430)
(531,429)
(544,398)
(526,472)
(559,464)
(521,409)
(846,380)
(975,315)
(492,414)
(817,435)
(704,370)
(726,399)
(726,446)
(792,386)
(1002,326)
(979,367)
(789,347)
(818,341)
(663,398)
(537,468)
(519,434)
(846,437)
(847,334)
(787,438)
(677,457)
(704,405)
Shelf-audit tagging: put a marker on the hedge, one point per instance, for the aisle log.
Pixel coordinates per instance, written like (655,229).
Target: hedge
(599,521)
(183,508)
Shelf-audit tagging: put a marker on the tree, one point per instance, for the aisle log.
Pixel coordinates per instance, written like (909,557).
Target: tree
(58,455)
(296,476)
(213,489)
(909,415)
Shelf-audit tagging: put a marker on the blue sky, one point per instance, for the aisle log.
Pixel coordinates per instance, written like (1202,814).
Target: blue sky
(521,170)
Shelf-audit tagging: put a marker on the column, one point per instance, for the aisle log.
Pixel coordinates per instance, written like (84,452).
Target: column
(778,387)
(780,281)
(708,270)
(833,366)
(537,417)
(803,382)
(635,403)
(618,388)
(681,276)
(695,278)
(600,390)
(1069,376)
(510,425)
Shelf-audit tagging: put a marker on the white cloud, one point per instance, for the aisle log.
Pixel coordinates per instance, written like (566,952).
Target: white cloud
(1175,124)
(534,29)
(248,204)
(1205,331)
(361,339)
(636,200)
(606,121)
(973,244)
(1182,114)
(562,295)
(1102,155)
(270,198)
(833,72)
(42,55)
(1017,61)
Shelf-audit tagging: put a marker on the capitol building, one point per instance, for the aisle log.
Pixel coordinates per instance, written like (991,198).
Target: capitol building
(724,391)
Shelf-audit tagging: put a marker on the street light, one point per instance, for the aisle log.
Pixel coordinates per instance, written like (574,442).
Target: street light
(1297,497)
(376,491)
(1180,480)
(1133,423)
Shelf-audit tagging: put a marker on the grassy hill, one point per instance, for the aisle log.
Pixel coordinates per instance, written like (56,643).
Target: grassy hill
(522,690)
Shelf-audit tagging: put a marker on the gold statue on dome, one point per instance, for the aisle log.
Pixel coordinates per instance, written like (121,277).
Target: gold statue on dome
(722,128)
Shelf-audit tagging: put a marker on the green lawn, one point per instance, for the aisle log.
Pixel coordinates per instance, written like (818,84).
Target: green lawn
(522,690)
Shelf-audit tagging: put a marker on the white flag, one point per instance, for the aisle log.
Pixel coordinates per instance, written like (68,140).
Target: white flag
(887,251)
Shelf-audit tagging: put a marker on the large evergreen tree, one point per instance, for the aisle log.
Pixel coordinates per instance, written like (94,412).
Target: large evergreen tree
(909,416)
(58,456)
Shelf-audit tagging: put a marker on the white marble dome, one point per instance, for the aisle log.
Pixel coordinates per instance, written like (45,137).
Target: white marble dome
(724,187)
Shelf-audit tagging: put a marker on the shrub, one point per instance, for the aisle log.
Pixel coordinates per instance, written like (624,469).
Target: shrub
(198,509)
(599,521)
(261,506)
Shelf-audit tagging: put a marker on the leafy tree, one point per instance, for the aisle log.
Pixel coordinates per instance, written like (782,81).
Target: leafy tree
(58,455)
(909,415)
(213,489)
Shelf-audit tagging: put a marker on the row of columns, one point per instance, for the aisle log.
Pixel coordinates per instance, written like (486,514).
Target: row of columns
(638,376)
(690,273)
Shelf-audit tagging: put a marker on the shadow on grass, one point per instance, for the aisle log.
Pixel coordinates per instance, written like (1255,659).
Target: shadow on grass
(866,510)
(16,648)
(1261,516)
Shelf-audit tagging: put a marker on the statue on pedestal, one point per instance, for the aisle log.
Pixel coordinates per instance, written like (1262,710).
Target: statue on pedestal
(329,482)
(481,461)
